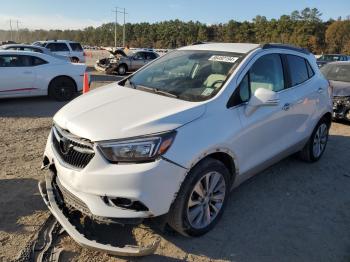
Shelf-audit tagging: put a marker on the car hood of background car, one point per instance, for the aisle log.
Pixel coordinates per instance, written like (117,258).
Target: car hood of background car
(115,112)
(340,88)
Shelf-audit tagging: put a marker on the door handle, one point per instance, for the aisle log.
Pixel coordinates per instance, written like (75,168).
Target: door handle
(27,72)
(286,107)
(320,90)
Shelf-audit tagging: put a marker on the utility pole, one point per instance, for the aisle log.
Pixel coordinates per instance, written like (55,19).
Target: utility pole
(11,28)
(17,39)
(124,30)
(115,27)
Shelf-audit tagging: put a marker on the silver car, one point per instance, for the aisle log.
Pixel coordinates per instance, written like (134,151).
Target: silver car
(122,62)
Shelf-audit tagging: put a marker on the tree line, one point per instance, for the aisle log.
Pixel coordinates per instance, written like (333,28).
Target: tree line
(302,28)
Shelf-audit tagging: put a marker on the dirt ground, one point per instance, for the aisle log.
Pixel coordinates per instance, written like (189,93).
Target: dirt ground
(293,211)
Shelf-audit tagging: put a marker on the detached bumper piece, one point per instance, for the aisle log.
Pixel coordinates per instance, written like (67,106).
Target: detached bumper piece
(341,107)
(47,192)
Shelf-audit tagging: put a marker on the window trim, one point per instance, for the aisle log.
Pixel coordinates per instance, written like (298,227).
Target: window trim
(290,74)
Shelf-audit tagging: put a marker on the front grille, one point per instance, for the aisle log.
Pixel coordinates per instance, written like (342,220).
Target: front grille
(71,150)
(69,199)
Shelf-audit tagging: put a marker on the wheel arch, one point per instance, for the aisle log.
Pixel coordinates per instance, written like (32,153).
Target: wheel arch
(328,117)
(223,155)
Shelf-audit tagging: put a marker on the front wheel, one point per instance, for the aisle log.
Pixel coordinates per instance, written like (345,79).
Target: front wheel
(122,70)
(201,199)
(317,143)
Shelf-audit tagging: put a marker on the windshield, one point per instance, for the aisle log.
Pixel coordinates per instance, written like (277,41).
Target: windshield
(330,58)
(337,72)
(188,75)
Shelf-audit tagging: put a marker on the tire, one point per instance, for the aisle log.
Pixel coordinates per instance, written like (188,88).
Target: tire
(75,60)
(181,217)
(62,89)
(122,69)
(317,143)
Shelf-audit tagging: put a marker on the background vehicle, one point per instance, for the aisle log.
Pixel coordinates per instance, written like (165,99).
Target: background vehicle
(338,73)
(121,63)
(34,74)
(32,48)
(71,49)
(324,59)
(176,136)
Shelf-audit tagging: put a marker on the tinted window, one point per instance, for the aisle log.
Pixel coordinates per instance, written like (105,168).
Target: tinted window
(15,61)
(57,47)
(140,56)
(36,61)
(267,72)
(76,47)
(151,56)
(298,69)
(310,71)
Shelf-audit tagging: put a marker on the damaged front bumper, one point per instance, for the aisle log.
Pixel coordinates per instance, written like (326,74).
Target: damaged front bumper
(47,191)
(341,107)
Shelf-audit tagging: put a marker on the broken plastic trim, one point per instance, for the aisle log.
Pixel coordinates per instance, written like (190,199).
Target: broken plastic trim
(46,191)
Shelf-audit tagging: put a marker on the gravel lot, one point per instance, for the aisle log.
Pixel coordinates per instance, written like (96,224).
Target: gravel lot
(293,211)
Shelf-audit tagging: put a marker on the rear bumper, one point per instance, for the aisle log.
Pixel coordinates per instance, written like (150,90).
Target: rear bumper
(47,192)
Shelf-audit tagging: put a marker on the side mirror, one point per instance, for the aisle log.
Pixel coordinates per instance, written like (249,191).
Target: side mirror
(261,97)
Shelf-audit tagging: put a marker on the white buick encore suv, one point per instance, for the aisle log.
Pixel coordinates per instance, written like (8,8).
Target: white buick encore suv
(176,136)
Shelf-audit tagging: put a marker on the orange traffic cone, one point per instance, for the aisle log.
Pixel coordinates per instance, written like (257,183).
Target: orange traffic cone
(86,83)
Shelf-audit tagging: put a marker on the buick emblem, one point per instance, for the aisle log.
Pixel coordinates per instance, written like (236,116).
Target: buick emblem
(65,146)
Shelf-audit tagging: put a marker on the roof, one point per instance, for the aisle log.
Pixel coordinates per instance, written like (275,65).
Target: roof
(22,45)
(225,47)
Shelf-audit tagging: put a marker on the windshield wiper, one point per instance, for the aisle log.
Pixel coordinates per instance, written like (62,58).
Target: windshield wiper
(157,91)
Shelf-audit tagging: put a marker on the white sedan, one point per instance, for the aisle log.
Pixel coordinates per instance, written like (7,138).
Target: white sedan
(34,74)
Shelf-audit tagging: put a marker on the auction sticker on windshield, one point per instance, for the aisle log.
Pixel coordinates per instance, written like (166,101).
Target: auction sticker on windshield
(226,59)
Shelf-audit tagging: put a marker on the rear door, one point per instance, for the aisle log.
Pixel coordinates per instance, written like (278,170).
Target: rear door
(77,51)
(308,94)
(16,75)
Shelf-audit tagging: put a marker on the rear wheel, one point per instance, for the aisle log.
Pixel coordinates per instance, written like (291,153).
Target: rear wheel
(317,143)
(201,199)
(62,89)
(122,70)
(75,60)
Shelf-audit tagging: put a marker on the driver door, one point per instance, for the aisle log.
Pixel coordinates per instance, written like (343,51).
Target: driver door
(269,130)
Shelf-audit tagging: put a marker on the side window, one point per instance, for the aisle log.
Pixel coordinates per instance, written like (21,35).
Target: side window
(298,69)
(139,56)
(267,72)
(76,47)
(36,61)
(15,61)
(310,71)
(150,56)
(57,47)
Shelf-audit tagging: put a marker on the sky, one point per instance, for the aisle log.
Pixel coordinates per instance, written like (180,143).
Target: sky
(77,14)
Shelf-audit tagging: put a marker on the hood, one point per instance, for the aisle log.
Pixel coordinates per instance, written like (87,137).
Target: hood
(115,112)
(340,88)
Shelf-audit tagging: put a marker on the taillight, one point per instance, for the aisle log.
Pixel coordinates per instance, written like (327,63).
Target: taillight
(84,54)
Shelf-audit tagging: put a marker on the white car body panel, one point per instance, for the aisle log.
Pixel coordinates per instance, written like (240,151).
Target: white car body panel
(253,141)
(152,113)
(35,80)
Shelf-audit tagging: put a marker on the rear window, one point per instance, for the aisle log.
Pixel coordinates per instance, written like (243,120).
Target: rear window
(337,72)
(57,47)
(299,71)
(76,47)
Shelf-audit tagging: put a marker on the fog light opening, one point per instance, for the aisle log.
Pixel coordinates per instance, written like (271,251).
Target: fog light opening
(127,204)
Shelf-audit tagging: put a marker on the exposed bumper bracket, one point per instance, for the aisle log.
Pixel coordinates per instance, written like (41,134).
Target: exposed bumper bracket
(46,191)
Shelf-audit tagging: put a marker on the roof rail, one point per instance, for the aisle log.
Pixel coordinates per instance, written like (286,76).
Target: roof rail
(284,46)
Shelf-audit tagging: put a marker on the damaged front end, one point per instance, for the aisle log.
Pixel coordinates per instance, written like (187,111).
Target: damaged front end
(341,107)
(64,206)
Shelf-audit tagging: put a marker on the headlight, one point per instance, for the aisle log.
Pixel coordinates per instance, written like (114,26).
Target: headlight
(143,149)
